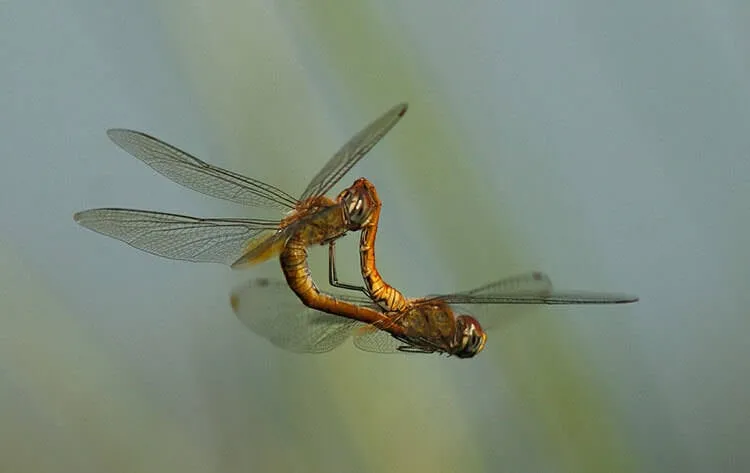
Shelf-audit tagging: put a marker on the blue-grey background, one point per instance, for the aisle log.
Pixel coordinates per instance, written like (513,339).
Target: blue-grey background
(605,143)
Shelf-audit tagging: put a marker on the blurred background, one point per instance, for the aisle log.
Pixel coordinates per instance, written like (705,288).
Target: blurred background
(604,143)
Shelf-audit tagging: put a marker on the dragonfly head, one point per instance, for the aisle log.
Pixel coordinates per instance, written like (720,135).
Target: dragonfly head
(360,203)
(471,336)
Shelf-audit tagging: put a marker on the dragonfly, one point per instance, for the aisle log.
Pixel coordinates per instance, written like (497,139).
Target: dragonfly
(311,219)
(430,324)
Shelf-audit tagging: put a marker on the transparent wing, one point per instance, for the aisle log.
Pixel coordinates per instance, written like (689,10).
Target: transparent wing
(493,317)
(553,298)
(179,237)
(270,309)
(530,288)
(370,339)
(191,172)
(527,283)
(517,294)
(352,152)
(262,249)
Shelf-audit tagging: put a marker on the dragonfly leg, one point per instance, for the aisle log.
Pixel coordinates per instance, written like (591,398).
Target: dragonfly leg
(333,279)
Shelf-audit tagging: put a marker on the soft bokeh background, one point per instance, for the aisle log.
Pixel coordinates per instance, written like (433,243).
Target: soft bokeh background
(605,143)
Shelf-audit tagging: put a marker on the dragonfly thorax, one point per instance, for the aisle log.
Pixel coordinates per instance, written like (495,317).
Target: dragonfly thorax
(470,337)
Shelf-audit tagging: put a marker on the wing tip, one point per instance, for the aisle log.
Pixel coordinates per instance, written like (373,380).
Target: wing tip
(81,216)
(122,136)
(115,133)
(616,299)
(623,298)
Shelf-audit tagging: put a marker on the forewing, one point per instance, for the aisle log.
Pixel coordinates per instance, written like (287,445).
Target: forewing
(191,172)
(492,317)
(262,249)
(531,288)
(270,309)
(522,290)
(352,152)
(553,298)
(177,237)
(527,283)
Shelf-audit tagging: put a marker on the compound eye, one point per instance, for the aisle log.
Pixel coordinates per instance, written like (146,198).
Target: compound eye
(477,342)
(357,211)
(473,339)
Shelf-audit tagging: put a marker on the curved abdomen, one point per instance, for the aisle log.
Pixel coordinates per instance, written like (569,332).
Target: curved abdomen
(382,293)
(297,273)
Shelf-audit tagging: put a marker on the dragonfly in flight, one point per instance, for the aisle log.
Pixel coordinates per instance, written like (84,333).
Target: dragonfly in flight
(424,325)
(310,220)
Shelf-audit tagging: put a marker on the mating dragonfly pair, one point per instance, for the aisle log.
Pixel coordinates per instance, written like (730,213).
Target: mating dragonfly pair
(383,320)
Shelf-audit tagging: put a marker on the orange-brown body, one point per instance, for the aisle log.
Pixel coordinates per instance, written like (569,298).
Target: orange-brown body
(297,273)
(381,293)
(423,325)
(326,222)
(427,325)
(304,212)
